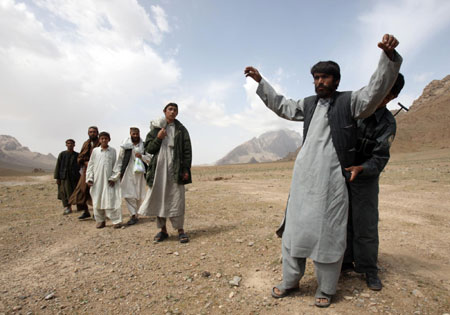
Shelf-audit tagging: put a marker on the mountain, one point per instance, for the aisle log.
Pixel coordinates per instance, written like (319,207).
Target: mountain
(270,146)
(13,156)
(427,123)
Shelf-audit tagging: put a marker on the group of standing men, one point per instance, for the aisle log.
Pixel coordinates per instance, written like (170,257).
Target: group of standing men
(162,163)
(332,210)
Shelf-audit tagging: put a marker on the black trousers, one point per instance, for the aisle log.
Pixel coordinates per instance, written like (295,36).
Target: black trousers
(362,228)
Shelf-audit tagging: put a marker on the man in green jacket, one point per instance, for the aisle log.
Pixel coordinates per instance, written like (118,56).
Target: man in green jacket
(168,172)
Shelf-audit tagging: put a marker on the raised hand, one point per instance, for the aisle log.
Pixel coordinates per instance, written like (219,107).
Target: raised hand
(388,44)
(162,134)
(253,73)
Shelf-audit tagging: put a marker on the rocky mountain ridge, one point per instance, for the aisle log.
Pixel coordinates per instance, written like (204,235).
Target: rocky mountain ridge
(270,146)
(426,125)
(14,156)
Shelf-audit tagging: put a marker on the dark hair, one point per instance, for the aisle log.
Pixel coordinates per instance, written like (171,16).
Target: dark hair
(170,104)
(70,140)
(398,85)
(93,127)
(135,129)
(328,67)
(104,134)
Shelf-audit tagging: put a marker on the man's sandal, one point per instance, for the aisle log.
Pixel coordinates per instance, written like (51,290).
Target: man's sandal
(283,292)
(322,296)
(161,236)
(183,238)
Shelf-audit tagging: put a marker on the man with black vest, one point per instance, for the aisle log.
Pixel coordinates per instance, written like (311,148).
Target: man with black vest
(131,166)
(315,221)
(375,136)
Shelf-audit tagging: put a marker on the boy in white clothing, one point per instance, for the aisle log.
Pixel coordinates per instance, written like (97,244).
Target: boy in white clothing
(106,197)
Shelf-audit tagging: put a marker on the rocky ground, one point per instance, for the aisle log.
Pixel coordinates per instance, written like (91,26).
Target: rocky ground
(53,264)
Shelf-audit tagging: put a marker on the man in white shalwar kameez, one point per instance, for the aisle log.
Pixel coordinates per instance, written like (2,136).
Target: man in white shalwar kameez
(131,169)
(105,193)
(316,214)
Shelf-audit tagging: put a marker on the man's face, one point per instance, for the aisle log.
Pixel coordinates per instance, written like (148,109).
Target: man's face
(386,100)
(324,84)
(171,113)
(135,136)
(93,133)
(70,145)
(104,140)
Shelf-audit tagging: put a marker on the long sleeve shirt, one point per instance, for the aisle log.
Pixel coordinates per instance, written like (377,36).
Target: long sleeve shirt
(375,136)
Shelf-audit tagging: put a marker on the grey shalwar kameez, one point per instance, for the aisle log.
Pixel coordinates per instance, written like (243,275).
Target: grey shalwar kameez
(316,214)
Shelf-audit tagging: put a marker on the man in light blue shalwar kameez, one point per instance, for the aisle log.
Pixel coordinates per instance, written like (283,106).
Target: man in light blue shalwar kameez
(316,215)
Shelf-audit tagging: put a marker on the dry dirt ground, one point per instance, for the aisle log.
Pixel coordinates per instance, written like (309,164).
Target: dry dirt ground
(54,264)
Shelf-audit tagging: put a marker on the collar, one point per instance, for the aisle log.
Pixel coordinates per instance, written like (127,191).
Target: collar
(379,113)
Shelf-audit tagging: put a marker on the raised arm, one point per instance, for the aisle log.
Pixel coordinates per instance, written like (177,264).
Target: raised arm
(154,140)
(286,108)
(365,101)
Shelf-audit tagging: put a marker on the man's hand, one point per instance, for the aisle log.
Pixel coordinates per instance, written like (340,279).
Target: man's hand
(185,176)
(138,155)
(90,184)
(253,73)
(162,134)
(388,44)
(58,182)
(111,183)
(354,170)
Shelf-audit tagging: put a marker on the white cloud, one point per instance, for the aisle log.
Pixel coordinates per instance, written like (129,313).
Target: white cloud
(69,64)
(423,77)
(413,22)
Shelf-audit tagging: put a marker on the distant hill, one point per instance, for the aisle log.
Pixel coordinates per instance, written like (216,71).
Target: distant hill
(427,124)
(270,146)
(15,157)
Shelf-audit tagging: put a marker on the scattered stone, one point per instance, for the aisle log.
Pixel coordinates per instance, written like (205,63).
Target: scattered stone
(206,274)
(239,240)
(235,282)
(251,244)
(218,275)
(50,296)
(17,308)
(366,295)
(417,293)
(231,295)
(176,253)
(348,298)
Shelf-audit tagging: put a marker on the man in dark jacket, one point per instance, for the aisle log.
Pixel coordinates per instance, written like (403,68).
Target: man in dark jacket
(168,172)
(374,138)
(67,174)
(81,196)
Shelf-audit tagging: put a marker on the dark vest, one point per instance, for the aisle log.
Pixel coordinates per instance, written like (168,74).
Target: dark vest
(125,161)
(342,125)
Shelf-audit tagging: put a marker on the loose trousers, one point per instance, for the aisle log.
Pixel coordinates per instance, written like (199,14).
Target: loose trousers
(177,222)
(115,215)
(362,228)
(294,268)
(133,205)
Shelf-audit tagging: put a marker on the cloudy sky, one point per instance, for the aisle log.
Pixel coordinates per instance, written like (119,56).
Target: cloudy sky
(68,64)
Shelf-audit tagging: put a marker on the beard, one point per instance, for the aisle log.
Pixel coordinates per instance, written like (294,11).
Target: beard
(326,91)
(93,138)
(135,139)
